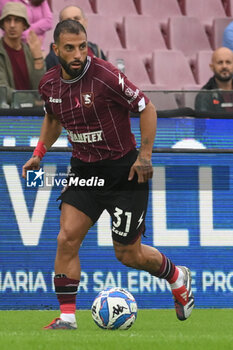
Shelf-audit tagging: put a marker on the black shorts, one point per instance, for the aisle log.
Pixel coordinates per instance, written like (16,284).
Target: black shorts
(125,201)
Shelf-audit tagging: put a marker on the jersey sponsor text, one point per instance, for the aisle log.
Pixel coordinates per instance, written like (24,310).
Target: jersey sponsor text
(87,137)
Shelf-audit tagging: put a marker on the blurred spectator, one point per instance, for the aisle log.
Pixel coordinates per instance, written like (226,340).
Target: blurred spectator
(227,40)
(21,65)
(50,4)
(221,98)
(39,15)
(77,14)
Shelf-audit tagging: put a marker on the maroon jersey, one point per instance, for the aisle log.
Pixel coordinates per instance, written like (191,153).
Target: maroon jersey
(94,109)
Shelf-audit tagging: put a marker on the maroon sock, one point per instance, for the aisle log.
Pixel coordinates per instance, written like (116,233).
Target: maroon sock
(167,270)
(66,291)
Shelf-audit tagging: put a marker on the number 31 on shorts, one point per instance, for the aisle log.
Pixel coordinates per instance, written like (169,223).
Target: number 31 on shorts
(121,215)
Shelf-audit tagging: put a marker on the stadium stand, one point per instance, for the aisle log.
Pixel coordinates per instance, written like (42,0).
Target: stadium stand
(102,30)
(228,7)
(195,37)
(163,100)
(130,62)
(144,41)
(143,27)
(201,69)
(49,38)
(3,97)
(115,9)
(84,4)
(215,32)
(170,68)
(160,10)
(212,14)
(204,10)
(152,87)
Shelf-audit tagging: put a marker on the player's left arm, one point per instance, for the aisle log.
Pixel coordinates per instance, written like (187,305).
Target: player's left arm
(143,165)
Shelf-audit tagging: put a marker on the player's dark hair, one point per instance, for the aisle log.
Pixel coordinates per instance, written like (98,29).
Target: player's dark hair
(67,26)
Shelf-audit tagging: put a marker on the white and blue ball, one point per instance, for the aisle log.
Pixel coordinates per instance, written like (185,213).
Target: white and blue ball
(114,308)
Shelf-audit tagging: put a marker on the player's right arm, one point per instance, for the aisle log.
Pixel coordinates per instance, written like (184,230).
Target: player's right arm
(50,131)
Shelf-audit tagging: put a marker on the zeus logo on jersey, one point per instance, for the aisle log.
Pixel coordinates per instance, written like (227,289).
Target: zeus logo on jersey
(55,100)
(87,137)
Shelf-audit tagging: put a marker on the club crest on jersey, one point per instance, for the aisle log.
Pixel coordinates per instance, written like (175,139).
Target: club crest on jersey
(129,92)
(88,99)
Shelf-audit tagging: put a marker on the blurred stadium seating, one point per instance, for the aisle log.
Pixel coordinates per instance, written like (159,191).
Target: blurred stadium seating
(103,30)
(114,9)
(129,62)
(170,68)
(228,6)
(163,100)
(200,66)
(194,28)
(204,10)
(215,32)
(142,33)
(84,4)
(159,10)
(187,34)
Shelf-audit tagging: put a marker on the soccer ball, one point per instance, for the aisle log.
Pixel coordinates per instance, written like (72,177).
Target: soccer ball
(114,308)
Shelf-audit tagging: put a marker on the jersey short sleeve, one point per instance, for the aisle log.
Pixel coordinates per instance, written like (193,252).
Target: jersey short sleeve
(47,106)
(122,90)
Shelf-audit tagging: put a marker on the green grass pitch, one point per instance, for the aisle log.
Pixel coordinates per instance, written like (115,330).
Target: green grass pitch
(153,330)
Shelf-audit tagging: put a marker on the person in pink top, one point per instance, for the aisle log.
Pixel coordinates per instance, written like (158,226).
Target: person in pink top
(39,15)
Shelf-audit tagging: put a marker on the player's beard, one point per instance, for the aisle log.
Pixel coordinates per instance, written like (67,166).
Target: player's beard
(73,73)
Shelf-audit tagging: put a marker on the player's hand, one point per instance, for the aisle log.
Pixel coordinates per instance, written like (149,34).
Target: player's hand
(32,164)
(143,168)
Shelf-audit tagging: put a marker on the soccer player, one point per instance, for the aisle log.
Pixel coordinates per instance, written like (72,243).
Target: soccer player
(91,99)
(77,14)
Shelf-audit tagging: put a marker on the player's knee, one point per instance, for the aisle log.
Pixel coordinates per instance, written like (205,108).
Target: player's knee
(67,239)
